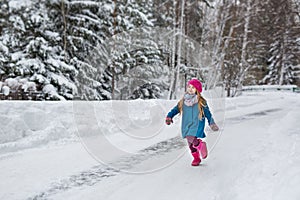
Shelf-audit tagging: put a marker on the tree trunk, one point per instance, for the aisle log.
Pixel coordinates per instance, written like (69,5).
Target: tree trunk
(65,28)
(179,49)
(113,67)
(173,71)
(244,67)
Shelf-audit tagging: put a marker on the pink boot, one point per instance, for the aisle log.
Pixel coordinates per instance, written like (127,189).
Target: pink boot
(197,159)
(202,148)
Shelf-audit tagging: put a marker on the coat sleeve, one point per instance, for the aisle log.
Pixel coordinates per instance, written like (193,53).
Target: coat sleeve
(173,112)
(208,115)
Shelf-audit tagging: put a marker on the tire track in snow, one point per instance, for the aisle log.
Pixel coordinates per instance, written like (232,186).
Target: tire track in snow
(253,115)
(98,173)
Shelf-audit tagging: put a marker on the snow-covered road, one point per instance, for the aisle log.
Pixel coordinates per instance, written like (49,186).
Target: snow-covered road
(255,156)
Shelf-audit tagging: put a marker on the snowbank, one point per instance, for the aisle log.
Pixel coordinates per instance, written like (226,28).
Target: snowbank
(28,124)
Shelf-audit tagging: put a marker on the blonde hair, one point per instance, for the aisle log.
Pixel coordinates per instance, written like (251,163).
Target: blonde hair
(201,104)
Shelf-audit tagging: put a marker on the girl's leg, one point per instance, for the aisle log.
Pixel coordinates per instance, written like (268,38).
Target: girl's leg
(195,153)
(192,141)
(201,147)
(191,146)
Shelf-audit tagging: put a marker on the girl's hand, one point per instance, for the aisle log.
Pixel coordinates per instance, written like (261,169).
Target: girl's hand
(169,120)
(214,127)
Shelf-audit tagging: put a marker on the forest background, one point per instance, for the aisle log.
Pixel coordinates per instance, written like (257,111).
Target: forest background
(129,49)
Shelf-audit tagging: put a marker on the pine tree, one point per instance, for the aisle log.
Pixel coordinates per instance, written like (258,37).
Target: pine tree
(4,49)
(82,32)
(35,53)
(283,51)
(136,58)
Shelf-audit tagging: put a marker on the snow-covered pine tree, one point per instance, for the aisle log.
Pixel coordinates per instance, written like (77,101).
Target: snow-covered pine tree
(4,50)
(12,30)
(283,51)
(146,91)
(136,58)
(259,41)
(35,53)
(83,26)
(140,62)
(45,58)
(61,44)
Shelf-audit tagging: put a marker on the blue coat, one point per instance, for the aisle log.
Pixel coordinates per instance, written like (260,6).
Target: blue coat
(191,124)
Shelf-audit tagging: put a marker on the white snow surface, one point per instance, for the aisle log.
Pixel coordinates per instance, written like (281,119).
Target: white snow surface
(17,4)
(123,150)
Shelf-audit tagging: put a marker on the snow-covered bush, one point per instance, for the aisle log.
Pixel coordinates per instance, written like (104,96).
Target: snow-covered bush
(147,91)
(5,90)
(51,93)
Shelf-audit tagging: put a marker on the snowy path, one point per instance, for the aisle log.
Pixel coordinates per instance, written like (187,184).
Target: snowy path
(257,157)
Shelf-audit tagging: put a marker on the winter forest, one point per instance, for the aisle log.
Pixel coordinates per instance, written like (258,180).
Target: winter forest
(129,49)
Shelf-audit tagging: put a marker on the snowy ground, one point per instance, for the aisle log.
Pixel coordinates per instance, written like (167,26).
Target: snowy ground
(123,150)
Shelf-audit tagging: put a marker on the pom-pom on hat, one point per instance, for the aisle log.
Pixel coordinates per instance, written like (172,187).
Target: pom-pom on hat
(196,83)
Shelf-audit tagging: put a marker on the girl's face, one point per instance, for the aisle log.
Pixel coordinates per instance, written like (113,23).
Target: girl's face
(191,89)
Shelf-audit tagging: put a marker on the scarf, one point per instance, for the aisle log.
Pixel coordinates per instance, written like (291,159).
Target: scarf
(190,99)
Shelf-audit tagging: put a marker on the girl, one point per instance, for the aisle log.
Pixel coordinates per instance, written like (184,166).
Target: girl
(194,110)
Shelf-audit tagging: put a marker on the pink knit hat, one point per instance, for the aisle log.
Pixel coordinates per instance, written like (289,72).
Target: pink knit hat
(196,83)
